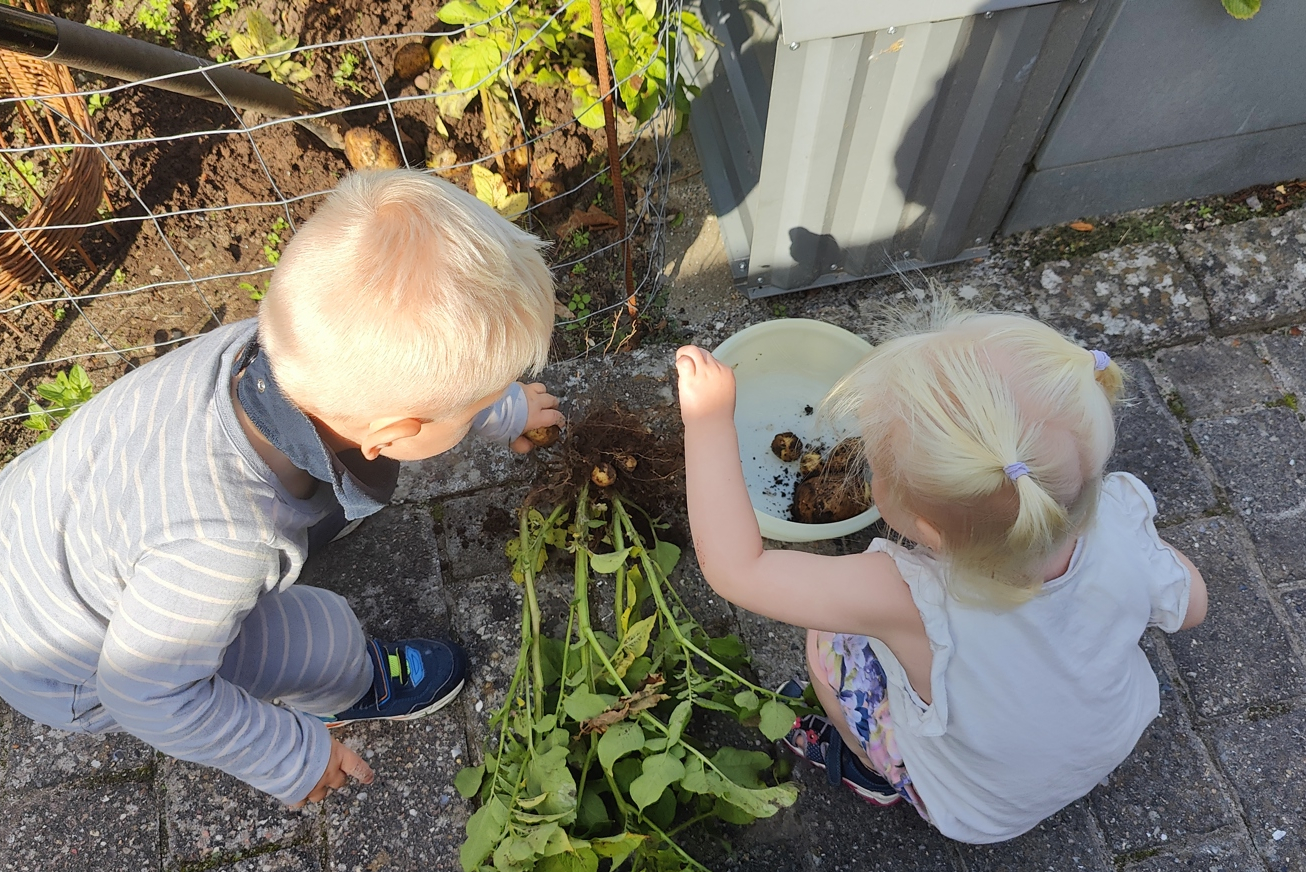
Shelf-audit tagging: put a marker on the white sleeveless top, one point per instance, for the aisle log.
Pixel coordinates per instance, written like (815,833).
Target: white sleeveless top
(1032,707)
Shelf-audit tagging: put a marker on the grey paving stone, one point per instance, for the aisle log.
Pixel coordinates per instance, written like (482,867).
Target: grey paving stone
(212,815)
(1064,841)
(410,817)
(1167,788)
(982,284)
(1259,457)
(291,860)
(486,615)
(844,834)
(476,528)
(1295,604)
(1266,761)
(389,572)
(39,756)
(777,650)
(1126,299)
(1240,655)
(1254,272)
(1223,853)
(470,465)
(1217,376)
(1288,353)
(1150,444)
(80,829)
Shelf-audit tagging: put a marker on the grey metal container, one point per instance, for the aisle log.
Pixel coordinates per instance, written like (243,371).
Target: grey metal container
(843,139)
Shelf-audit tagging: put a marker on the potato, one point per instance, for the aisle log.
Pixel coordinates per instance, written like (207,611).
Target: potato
(787,447)
(626,462)
(845,456)
(821,500)
(368,150)
(543,437)
(809,464)
(412,60)
(603,475)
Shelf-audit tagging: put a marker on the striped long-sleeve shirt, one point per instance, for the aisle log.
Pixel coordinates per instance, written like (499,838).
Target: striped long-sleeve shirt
(132,545)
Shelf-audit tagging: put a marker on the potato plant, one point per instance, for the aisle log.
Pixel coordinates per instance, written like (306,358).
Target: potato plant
(591,755)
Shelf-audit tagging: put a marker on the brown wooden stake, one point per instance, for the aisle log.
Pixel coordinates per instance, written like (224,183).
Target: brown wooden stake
(614,158)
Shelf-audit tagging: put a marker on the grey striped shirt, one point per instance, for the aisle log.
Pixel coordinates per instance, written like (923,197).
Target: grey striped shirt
(132,545)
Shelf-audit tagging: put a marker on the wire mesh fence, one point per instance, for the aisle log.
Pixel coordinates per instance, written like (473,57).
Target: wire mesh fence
(133,219)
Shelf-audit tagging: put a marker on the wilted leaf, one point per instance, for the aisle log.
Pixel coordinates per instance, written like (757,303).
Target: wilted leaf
(617,848)
(606,564)
(633,644)
(584,705)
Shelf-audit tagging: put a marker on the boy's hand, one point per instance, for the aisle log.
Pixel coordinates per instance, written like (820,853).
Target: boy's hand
(343,762)
(707,386)
(543,412)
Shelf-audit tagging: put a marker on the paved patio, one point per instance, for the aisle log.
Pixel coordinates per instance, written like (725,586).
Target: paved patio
(1205,329)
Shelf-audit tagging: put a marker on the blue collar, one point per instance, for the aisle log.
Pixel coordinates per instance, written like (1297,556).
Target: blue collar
(363,488)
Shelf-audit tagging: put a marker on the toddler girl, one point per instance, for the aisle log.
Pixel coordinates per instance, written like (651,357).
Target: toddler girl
(991,674)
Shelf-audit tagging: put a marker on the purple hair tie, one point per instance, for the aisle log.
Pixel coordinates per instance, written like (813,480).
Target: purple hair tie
(1015,470)
(1101,360)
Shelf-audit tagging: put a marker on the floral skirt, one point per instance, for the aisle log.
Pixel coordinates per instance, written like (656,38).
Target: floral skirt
(852,669)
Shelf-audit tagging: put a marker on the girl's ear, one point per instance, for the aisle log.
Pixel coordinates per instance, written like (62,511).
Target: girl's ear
(383,433)
(928,535)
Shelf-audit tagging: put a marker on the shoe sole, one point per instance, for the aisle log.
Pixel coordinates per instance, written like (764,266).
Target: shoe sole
(411,716)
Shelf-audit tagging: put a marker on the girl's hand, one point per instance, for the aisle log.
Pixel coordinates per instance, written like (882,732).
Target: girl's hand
(542,412)
(707,386)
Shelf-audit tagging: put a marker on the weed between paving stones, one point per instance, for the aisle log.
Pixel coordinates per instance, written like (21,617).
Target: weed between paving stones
(592,759)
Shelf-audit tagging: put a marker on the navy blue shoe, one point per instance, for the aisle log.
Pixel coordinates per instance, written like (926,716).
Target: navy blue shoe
(410,679)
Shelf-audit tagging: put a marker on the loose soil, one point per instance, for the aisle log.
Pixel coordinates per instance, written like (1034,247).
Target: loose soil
(211,188)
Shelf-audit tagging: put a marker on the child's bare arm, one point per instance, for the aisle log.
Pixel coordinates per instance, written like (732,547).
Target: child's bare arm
(1196,594)
(860,593)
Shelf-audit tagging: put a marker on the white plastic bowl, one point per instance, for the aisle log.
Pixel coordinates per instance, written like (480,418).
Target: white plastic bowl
(783,369)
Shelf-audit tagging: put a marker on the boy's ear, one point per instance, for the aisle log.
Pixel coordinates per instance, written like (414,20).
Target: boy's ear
(384,432)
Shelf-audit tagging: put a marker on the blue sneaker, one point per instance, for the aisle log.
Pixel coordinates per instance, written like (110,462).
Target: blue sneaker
(410,678)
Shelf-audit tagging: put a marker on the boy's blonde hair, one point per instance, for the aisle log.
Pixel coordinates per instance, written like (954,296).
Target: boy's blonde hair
(945,409)
(404,295)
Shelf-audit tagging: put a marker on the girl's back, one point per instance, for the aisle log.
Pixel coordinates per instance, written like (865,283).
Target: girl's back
(1033,706)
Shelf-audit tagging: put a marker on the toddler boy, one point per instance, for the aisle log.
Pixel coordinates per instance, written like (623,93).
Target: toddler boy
(148,550)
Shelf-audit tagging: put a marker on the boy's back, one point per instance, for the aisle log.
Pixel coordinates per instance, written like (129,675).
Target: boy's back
(138,537)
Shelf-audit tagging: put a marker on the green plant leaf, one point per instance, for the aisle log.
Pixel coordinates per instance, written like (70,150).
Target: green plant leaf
(606,564)
(633,644)
(657,774)
(648,8)
(748,701)
(619,740)
(583,860)
(583,705)
(666,556)
(484,830)
(592,811)
(759,803)
(548,773)
(472,62)
(461,12)
(468,781)
(731,813)
(617,848)
(777,719)
(742,767)
(698,778)
(1242,9)
(587,107)
(676,723)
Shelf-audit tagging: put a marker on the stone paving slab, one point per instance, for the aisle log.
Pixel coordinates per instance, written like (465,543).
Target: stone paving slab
(1260,458)
(475,529)
(1253,272)
(68,829)
(1067,840)
(1219,375)
(292,860)
(1266,761)
(39,756)
(1240,655)
(1123,300)
(1229,853)
(1288,355)
(1168,788)
(1151,444)
(212,815)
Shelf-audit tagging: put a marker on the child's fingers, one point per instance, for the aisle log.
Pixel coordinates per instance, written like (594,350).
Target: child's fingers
(356,767)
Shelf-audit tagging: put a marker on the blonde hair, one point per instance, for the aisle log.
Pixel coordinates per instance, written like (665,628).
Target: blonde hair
(945,408)
(404,295)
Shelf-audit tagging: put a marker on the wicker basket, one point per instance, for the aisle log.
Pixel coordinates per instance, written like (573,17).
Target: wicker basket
(78,188)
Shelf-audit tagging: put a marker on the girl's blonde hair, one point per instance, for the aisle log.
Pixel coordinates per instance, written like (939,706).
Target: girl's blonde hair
(405,295)
(947,409)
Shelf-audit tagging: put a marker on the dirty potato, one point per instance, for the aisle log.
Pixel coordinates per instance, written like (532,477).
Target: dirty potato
(412,60)
(543,437)
(368,150)
(822,500)
(787,447)
(809,464)
(845,456)
(603,475)
(626,462)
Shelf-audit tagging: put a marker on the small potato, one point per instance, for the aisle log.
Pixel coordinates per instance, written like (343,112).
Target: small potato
(626,462)
(809,463)
(368,150)
(603,475)
(846,455)
(787,447)
(412,60)
(543,437)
